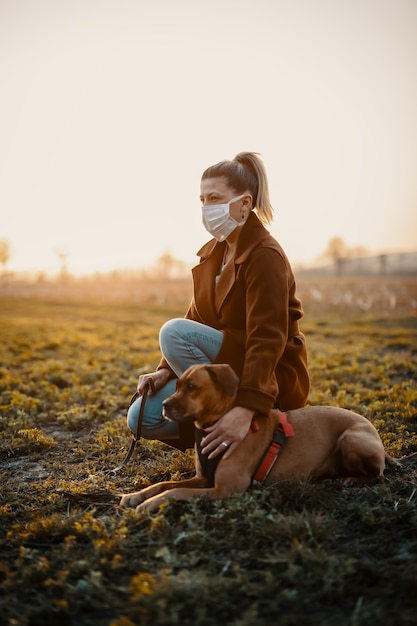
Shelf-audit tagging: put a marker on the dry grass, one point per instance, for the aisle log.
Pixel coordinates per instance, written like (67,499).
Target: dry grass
(298,554)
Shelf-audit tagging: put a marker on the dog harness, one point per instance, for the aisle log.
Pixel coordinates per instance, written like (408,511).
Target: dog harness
(268,460)
(281,433)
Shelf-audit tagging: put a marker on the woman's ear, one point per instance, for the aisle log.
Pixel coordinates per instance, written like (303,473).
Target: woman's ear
(247,201)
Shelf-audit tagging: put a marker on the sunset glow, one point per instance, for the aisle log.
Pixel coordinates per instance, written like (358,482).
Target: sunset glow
(110,111)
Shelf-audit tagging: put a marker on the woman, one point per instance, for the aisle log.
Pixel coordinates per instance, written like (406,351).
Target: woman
(244,312)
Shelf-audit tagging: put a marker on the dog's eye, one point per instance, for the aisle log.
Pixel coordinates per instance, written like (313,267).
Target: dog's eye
(191,387)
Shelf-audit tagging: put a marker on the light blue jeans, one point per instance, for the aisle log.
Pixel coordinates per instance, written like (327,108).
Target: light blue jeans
(183,343)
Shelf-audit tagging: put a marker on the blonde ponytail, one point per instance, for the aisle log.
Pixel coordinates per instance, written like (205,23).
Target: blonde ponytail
(261,202)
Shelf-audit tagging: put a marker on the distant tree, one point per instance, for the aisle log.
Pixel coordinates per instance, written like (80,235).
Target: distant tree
(337,252)
(5,253)
(358,251)
(63,257)
(168,266)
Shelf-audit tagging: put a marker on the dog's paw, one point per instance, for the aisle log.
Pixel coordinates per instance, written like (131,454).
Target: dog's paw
(151,505)
(131,500)
(357,481)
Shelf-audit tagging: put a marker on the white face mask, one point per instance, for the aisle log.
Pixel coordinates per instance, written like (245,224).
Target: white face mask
(218,221)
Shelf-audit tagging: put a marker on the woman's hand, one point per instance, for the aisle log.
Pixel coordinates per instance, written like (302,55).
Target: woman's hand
(231,429)
(157,379)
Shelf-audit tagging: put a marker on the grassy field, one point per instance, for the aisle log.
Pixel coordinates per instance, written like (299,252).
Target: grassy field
(294,554)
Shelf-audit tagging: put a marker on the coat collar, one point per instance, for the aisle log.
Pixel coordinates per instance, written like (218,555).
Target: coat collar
(253,232)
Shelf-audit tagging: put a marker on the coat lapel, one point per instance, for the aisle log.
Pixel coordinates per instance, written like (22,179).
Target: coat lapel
(209,298)
(224,284)
(204,277)
(253,232)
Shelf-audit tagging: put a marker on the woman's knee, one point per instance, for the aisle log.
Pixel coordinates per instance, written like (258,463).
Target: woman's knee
(170,334)
(169,331)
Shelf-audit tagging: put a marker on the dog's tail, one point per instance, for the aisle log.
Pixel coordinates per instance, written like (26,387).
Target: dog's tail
(410,460)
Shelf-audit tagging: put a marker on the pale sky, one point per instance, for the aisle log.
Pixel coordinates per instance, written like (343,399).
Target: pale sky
(111,109)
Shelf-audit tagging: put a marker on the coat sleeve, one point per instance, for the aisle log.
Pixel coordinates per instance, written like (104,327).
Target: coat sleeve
(267,280)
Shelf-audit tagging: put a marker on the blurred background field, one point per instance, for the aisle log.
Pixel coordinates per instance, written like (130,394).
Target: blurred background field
(319,292)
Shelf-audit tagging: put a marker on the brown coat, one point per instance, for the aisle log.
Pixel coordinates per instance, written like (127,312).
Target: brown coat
(255,306)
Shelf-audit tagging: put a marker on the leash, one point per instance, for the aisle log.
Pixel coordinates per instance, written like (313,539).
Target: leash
(136,436)
(100,497)
(95,497)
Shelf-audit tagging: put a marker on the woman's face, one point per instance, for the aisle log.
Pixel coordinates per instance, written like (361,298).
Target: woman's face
(217,191)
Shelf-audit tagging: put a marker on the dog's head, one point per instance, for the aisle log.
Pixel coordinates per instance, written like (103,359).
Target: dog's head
(204,394)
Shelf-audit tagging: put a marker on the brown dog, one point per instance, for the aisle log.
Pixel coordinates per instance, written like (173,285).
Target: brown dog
(328,442)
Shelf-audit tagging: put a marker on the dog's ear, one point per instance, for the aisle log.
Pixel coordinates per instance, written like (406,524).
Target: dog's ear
(225,377)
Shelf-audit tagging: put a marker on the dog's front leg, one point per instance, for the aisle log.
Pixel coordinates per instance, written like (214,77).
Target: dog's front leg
(180,492)
(134,499)
(131,500)
(185,490)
